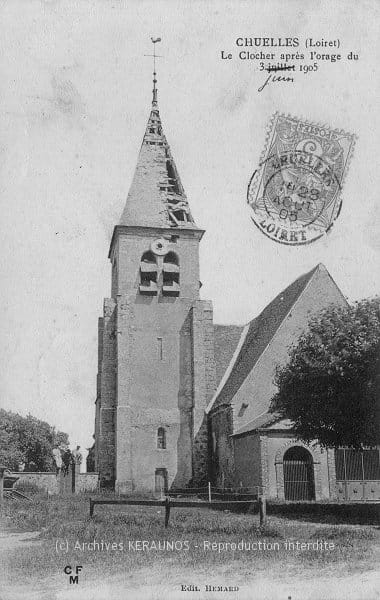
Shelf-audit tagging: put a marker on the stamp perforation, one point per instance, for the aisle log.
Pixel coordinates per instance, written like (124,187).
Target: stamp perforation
(319,155)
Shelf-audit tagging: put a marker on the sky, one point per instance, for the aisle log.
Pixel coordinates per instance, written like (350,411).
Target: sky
(75,98)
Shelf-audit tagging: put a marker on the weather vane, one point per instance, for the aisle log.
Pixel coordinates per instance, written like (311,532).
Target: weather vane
(154,55)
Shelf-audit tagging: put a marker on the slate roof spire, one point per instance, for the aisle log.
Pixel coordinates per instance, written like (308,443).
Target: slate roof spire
(156,197)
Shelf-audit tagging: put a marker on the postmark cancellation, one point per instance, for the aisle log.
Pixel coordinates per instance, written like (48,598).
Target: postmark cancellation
(295,193)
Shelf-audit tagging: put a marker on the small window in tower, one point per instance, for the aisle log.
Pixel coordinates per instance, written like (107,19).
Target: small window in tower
(161,438)
(160,348)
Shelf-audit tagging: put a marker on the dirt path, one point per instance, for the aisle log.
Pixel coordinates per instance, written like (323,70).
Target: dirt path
(11,541)
(152,584)
(144,586)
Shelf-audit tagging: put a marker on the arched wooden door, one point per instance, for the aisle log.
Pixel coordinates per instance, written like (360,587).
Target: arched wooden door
(298,474)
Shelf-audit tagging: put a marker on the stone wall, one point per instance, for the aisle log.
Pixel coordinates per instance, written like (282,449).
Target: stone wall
(185,404)
(98,392)
(163,366)
(157,368)
(201,455)
(49,482)
(333,491)
(222,467)
(277,445)
(248,460)
(87,482)
(259,461)
(154,390)
(106,408)
(203,385)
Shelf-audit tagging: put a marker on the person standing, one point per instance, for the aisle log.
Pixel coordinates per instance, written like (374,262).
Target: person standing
(77,456)
(57,459)
(67,460)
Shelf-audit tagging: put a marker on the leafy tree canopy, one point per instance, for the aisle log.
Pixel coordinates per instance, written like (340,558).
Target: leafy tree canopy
(27,440)
(330,388)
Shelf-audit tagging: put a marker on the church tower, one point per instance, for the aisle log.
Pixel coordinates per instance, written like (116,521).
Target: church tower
(155,359)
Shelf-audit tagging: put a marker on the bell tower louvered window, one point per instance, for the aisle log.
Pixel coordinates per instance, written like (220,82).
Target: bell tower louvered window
(148,274)
(170,271)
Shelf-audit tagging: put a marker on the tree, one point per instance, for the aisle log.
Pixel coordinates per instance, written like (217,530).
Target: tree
(330,388)
(27,440)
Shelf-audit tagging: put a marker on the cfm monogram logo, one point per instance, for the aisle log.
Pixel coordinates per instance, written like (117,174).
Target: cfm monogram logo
(70,570)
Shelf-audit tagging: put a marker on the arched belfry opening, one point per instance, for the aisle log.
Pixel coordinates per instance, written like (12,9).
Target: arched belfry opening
(148,273)
(170,272)
(171,259)
(298,474)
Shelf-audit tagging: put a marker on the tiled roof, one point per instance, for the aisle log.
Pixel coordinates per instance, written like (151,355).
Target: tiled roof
(156,197)
(226,338)
(259,422)
(260,332)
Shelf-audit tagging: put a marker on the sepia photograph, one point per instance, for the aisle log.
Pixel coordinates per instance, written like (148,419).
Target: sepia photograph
(190,275)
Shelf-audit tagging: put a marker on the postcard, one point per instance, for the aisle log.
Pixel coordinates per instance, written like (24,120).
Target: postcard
(190,300)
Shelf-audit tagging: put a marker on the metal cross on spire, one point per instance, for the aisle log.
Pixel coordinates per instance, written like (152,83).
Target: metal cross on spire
(154,55)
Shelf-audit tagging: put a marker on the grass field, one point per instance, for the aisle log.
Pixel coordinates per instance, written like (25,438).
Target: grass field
(111,543)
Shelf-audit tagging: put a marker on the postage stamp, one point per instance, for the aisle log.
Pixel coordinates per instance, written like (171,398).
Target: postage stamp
(295,194)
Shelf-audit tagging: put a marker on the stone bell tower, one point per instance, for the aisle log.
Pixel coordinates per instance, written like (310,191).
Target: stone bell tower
(156,361)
